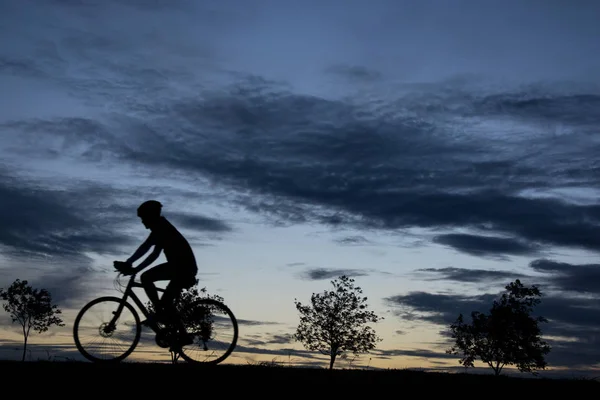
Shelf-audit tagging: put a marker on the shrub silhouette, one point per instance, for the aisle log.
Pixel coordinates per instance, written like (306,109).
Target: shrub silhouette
(195,318)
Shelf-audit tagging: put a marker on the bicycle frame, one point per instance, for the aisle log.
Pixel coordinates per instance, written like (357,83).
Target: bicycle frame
(130,293)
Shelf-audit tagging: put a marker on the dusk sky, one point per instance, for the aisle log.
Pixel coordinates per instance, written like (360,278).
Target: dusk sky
(432,150)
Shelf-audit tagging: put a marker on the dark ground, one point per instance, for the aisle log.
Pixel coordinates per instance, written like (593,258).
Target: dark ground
(83,379)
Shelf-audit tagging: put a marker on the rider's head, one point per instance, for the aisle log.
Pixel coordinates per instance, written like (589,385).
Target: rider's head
(149,212)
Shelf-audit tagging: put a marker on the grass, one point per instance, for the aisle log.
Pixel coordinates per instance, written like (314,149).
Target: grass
(286,380)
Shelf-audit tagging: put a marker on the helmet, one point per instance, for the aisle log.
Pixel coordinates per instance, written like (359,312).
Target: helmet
(150,208)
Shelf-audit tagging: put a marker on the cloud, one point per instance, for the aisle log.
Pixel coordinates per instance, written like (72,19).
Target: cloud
(557,276)
(316,274)
(200,222)
(53,224)
(281,339)
(478,245)
(348,165)
(255,323)
(471,275)
(582,278)
(355,240)
(422,353)
(269,338)
(437,308)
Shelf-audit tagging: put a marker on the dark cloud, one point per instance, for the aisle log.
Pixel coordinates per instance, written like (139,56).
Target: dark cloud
(200,222)
(86,138)
(582,278)
(386,164)
(428,354)
(478,245)
(438,308)
(267,339)
(374,170)
(324,273)
(51,224)
(554,275)
(281,339)
(572,109)
(68,286)
(471,275)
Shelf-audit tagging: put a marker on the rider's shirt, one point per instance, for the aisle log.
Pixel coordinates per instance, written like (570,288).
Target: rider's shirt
(177,249)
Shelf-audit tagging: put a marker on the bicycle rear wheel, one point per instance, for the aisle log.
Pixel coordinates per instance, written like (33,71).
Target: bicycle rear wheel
(214,330)
(110,341)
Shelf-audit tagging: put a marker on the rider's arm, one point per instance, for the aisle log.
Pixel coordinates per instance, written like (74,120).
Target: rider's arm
(149,260)
(143,249)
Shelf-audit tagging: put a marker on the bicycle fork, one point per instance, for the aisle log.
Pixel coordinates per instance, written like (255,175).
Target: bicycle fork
(112,325)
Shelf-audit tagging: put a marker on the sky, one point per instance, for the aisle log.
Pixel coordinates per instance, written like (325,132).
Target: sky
(434,151)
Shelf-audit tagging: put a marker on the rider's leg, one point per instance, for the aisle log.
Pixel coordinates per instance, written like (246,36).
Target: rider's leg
(169,300)
(161,272)
(170,297)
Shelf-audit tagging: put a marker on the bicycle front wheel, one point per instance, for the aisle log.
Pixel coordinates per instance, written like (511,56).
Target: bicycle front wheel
(214,330)
(102,336)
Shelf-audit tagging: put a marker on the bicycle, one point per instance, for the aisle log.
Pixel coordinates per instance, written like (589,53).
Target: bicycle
(201,318)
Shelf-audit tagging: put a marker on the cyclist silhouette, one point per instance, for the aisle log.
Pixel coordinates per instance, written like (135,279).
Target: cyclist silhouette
(180,269)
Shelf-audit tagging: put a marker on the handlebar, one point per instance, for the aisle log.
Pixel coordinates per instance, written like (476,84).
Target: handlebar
(133,282)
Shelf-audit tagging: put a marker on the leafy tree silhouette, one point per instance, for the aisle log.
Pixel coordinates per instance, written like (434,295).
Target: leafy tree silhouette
(335,322)
(31,308)
(196,319)
(508,335)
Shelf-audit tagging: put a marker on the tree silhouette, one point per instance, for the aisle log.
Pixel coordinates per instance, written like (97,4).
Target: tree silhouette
(196,319)
(31,308)
(335,322)
(508,335)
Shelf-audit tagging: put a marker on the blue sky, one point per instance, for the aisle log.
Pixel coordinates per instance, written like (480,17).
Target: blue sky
(433,150)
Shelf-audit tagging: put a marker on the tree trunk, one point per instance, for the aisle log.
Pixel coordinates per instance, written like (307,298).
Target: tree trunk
(333,355)
(497,369)
(24,348)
